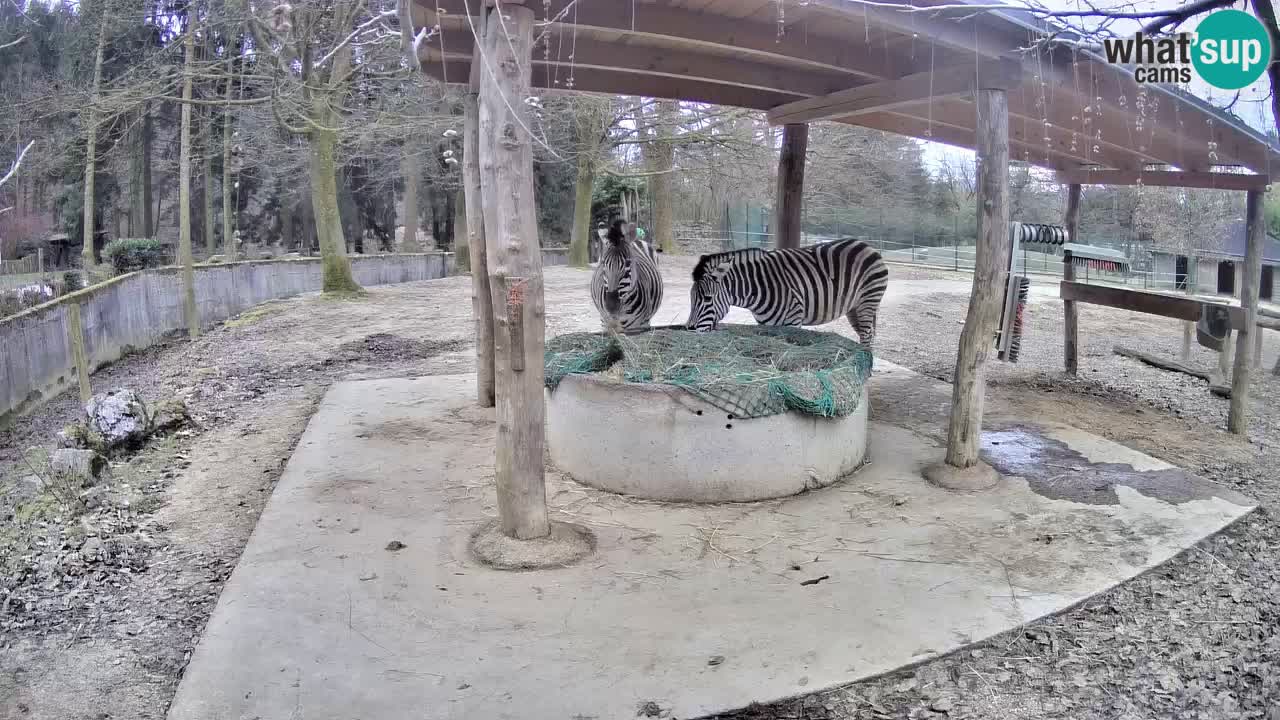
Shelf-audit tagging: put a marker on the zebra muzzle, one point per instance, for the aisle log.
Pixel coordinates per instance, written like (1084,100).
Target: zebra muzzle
(612,303)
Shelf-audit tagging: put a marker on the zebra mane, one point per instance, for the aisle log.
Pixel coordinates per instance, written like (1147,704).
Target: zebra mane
(707,263)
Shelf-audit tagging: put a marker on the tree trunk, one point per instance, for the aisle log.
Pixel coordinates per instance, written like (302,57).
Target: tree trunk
(324,205)
(137,205)
(287,234)
(989,278)
(789,199)
(87,257)
(148,139)
(437,232)
(228,144)
(450,213)
(1250,280)
(459,229)
(660,192)
(184,193)
(411,168)
(210,241)
(481,297)
(580,240)
(515,273)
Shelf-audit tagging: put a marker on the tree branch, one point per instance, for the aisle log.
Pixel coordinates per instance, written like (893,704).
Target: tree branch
(8,45)
(1179,16)
(16,164)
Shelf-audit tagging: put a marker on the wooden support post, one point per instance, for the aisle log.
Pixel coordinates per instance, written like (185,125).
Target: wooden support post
(790,196)
(481,297)
(515,269)
(1070,318)
(965,424)
(1251,279)
(75,340)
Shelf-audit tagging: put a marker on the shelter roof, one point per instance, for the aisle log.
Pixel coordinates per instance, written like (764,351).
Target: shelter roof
(890,66)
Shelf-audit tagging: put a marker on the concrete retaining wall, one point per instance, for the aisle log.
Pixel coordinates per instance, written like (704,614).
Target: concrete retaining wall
(134,311)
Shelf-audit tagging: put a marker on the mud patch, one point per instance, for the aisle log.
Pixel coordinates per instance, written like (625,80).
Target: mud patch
(386,347)
(1056,471)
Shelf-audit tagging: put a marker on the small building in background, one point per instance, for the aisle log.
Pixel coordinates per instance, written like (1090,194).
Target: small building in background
(1216,271)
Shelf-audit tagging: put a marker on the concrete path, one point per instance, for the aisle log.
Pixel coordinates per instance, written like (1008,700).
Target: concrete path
(356,596)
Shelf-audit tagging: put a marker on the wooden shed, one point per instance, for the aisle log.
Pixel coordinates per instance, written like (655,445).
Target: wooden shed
(1002,83)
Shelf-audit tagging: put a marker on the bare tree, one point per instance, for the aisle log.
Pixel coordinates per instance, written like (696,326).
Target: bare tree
(309,96)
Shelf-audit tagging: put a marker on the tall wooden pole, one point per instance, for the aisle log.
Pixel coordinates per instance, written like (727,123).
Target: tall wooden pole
(790,195)
(990,263)
(1070,317)
(1255,231)
(515,269)
(481,298)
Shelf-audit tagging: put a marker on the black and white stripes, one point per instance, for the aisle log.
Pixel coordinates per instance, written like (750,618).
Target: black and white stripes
(806,286)
(626,287)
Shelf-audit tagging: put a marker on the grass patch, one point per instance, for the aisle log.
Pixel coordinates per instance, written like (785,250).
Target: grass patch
(250,317)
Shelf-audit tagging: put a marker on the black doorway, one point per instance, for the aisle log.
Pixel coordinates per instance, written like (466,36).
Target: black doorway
(1264,289)
(1226,278)
(1180,272)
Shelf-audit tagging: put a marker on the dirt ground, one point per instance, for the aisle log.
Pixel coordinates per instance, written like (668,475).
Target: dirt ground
(99,612)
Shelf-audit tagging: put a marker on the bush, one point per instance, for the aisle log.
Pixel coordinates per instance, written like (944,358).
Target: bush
(129,254)
(71,281)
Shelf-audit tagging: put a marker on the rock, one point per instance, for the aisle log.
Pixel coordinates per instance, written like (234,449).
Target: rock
(91,549)
(95,497)
(28,488)
(169,415)
(84,466)
(942,705)
(120,417)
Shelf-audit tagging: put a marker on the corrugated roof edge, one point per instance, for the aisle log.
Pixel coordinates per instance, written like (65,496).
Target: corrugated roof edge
(1028,21)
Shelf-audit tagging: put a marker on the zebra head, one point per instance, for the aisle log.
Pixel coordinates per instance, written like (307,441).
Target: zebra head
(615,262)
(708,298)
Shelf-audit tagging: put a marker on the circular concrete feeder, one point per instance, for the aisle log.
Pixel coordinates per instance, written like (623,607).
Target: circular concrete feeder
(662,443)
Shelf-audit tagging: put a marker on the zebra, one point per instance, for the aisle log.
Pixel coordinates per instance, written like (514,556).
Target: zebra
(806,286)
(626,287)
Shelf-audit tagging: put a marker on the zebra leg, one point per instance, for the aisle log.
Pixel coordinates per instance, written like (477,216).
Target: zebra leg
(864,322)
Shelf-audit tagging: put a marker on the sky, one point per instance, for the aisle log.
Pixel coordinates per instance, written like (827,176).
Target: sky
(1253,107)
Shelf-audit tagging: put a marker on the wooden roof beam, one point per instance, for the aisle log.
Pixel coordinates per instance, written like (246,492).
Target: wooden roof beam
(1174,121)
(594,80)
(1029,132)
(1166,178)
(890,94)
(962,137)
(589,54)
(747,37)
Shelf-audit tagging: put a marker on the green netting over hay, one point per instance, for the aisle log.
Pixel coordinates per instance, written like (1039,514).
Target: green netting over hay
(747,370)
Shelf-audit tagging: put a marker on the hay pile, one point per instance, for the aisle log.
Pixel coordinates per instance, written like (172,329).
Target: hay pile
(746,370)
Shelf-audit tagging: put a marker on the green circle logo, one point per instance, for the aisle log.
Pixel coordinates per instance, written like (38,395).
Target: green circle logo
(1232,49)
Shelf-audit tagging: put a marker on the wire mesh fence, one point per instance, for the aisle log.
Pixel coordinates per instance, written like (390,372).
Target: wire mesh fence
(1142,271)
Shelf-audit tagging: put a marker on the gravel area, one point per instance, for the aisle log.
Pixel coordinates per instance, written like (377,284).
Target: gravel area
(1198,637)
(104,631)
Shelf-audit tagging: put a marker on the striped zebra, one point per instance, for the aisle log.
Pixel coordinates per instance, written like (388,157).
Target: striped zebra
(626,287)
(806,286)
